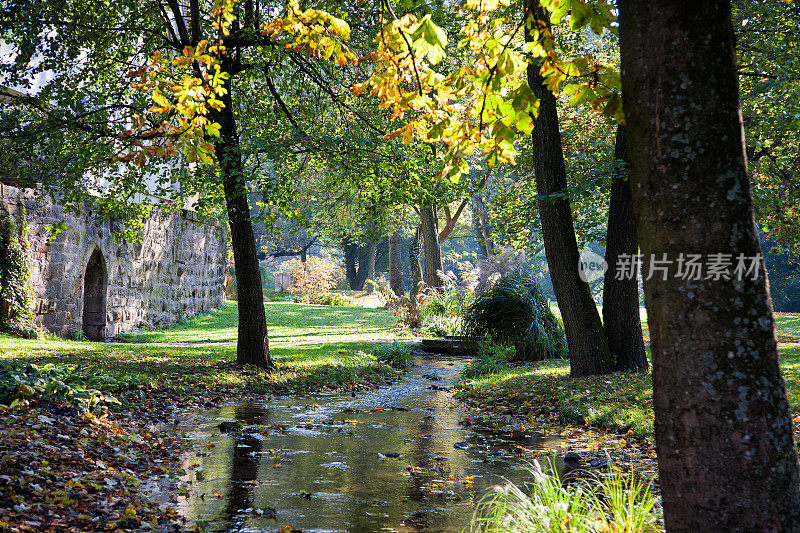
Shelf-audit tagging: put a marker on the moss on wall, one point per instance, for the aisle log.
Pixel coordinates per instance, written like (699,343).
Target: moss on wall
(16,298)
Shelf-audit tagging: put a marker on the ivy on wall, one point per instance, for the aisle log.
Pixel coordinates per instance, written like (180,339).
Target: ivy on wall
(16,298)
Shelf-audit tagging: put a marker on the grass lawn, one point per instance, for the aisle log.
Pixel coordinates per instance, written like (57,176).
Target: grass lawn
(619,402)
(285,320)
(184,369)
(788,325)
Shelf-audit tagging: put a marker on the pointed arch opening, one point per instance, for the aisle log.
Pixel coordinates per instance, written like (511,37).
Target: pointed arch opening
(95,282)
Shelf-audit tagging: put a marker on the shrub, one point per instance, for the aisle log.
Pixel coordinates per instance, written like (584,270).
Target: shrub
(394,354)
(125,336)
(21,383)
(443,326)
(331,298)
(314,277)
(408,308)
(483,367)
(76,334)
(490,358)
(514,311)
(614,503)
(452,302)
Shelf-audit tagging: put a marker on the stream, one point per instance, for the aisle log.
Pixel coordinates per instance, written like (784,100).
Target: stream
(396,458)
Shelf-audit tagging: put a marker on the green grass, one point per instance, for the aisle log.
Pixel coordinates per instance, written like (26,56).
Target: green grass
(788,327)
(548,505)
(620,402)
(285,320)
(300,368)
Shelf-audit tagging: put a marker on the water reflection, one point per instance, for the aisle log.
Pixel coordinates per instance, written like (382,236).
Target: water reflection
(394,459)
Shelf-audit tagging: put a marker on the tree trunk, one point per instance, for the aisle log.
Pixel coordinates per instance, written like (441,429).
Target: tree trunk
(350,251)
(485,225)
(723,428)
(433,252)
(588,347)
(252,347)
(395,264)
(366,265)
(414,260)
(477,226)
(621,318)
(372,252)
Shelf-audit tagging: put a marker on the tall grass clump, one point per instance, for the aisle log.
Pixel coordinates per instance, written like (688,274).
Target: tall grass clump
(514,311)
(394,354)
(616,504)
(442,325)
(490,358)
(450,302)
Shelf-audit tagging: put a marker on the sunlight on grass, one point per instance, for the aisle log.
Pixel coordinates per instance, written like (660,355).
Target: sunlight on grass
(300,368)
(614,401)
(285,320)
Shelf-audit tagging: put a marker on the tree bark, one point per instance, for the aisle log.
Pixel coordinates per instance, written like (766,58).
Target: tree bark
(727,459)
(350,251)
(477,226)
(372,252)
(433,252)
(414,260)
(395,264)
(252,347)
(484,225)
(588,346)
(366,265)
(621,320)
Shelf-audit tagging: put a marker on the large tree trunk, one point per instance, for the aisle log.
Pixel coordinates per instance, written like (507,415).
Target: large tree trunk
(350,251)
(252,347)
(621,319)
(727,459)
(414,260)
(366,265)
(372,247)
(433,252)
(395,264)
(588,347)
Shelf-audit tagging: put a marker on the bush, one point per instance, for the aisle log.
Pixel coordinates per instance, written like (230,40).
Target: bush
(394,354)
(76,334)
(611,503)
(443,326)
(314,277)
(21,383)
(452,302)
(483,367)
(514,311)
(125,336)
(331,298)
(490,358)
(407,308)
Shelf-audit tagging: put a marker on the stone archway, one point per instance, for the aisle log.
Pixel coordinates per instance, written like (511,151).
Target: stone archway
(95,282)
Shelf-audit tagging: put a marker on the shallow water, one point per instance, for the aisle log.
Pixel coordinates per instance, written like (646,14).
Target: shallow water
(392,459)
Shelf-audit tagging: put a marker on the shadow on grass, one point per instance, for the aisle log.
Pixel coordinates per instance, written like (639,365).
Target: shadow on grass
(300,368)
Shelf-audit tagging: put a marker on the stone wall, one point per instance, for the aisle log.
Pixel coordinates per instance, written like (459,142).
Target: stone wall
(177,270)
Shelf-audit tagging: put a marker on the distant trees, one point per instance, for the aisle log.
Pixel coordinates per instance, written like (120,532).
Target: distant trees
(727,457)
